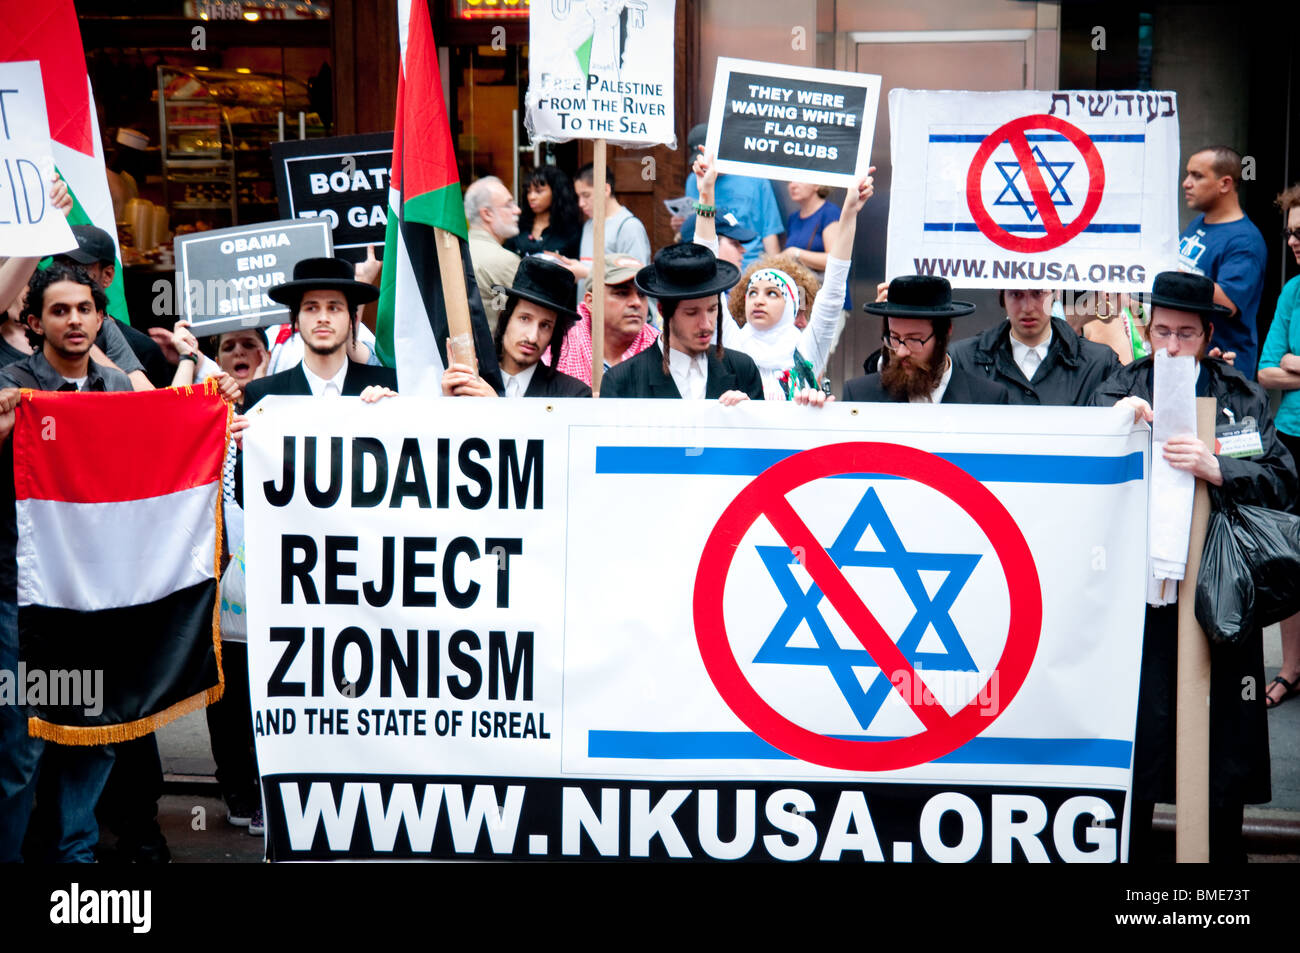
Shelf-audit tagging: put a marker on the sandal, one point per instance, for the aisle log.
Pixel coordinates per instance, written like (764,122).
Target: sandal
(1292,689)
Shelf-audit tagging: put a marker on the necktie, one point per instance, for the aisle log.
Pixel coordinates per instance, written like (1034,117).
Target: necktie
(331,389)
(513,388)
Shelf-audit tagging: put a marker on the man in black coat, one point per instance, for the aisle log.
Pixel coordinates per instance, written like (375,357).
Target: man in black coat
(1036,358)
(536,312)
(322,300)
(690,363)
(1262,473)
(918,312)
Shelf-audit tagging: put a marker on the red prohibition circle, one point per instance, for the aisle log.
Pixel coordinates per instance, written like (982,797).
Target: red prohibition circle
(766,495)
(1057,233)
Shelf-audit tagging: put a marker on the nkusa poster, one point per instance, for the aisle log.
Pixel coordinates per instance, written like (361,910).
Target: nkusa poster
(619,630)
(1034,188)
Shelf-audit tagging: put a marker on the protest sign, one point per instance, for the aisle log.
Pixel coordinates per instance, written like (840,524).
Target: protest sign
(29,224)
(343,180)
(601,70)
(223,275)
(1034,189)
(834,638)
(775,121)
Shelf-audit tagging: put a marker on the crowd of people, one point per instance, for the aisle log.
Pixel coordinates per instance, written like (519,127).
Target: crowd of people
(725,313)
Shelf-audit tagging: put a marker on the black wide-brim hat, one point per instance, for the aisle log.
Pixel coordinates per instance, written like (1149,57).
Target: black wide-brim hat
(1184,291)
(686,270)
(547,283)
(323,274)
(919,296)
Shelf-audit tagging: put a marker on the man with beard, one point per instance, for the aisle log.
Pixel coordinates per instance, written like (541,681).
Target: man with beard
(493,217)
(1037,358)
(918,313)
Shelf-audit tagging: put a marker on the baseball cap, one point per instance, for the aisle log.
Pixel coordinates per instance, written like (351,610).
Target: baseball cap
(728,225)
(618,269)
(93,246)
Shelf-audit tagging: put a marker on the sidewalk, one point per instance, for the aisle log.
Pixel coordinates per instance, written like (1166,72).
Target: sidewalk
(194,818)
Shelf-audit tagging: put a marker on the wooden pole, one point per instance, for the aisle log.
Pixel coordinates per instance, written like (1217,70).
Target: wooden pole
(597,266)
(451,268)
(1192,758)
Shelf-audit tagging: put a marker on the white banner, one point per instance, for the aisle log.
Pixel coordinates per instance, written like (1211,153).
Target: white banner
(621,629)
(601,69)
(1034,189)
(29,224)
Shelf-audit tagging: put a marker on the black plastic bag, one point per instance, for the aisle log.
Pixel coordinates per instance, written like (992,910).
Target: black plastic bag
(1250,569)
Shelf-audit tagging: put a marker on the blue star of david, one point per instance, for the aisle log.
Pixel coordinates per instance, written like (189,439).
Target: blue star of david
(1056,193)
(933,611)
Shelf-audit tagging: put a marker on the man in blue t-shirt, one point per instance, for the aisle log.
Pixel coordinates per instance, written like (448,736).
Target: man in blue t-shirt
(1226,247)
(752,201)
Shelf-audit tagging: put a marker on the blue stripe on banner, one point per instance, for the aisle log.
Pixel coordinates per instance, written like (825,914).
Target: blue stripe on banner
(1029,229)
(1043,137)
(985,467)
(743,745)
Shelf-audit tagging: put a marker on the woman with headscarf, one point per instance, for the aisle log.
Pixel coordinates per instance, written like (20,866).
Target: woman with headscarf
(770,335)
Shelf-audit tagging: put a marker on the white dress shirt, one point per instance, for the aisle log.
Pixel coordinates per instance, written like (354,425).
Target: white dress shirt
(1029,358)
(936,395)
(326,387)
(517,384)
(691,374)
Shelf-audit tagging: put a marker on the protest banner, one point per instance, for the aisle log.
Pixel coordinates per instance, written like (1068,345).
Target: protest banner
(1034,188)
(343,180)
(29,224)
(826,639)
(775,121)
(601,70)
(223,275)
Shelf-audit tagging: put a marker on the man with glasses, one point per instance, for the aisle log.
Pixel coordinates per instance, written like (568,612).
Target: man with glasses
(493,217)
(1038,359)
(918,312)
(1248,465)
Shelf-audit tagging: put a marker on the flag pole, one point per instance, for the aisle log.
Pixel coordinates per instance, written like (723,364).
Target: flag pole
(1192,749)
(451,267)
(597,266)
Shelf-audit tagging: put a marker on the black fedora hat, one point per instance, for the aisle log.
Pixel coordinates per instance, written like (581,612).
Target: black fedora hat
(547,283)
(323,274)
(1184,291)
(686,270)
(919,296)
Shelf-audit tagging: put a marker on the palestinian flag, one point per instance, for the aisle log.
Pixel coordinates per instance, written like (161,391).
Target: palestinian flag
(424,194)
(48,32)
(117,564)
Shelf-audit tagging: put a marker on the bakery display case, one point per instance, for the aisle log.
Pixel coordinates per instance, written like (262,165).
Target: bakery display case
(216,128)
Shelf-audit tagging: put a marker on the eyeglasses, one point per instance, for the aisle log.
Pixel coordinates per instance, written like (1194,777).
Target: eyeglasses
(894,342)
(1289,233)
(1185,337)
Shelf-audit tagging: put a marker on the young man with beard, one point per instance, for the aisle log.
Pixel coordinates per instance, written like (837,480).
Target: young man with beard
(918,312)
(1038,359)
(64,309)
(690,363)
(1260,473)
(322,299)
(538,312)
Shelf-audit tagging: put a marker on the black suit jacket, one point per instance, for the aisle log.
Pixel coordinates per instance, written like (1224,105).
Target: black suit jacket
(963,388)
(643,376)
(293,382)
(548,382)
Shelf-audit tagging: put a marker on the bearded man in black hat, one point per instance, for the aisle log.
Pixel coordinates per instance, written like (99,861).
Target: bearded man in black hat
(1259,472)
(918,313)
(322,299)
(690,362)
(536,313)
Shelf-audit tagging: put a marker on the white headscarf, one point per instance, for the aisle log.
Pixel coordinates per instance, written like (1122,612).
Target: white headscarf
(773,348)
